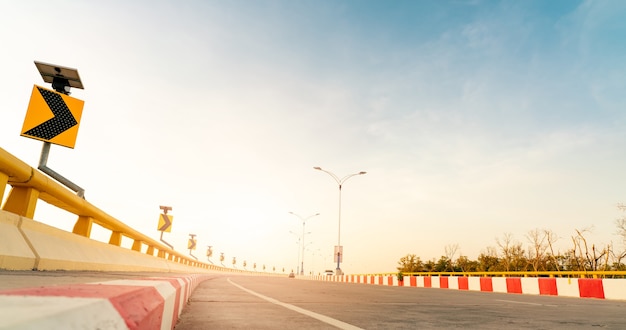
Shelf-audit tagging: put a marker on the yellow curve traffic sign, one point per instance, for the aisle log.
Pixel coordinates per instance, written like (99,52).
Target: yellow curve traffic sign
(191,244)
(165,223)
(52,117)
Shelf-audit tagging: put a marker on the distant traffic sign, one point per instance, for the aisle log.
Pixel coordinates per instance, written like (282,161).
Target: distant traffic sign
(165,223)
(191,244)
(52,117)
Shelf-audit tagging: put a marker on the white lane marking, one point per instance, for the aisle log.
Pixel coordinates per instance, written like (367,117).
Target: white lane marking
(524,303)
(323,318)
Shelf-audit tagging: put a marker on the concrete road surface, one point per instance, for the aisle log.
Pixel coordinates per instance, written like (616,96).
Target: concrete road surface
(32,279)
(254,302)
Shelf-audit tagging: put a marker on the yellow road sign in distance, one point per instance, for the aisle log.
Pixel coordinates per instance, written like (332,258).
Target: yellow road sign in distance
(191,244)
(52,117)
(165,223)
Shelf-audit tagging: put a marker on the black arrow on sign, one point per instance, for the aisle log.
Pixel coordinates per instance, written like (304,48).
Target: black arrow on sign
(167,223)
(62,121)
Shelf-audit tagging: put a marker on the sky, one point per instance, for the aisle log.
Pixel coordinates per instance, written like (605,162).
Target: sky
(473,119)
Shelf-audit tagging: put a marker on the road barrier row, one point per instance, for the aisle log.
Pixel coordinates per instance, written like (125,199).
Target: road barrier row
(600,288)
(32,245)
(143,303)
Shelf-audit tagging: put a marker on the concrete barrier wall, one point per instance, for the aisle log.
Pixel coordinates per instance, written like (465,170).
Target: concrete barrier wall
(146,303)
(614,289)
(15,253)
(28,244)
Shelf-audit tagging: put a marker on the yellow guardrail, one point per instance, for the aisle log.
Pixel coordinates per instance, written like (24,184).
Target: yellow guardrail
(28,185)
(575,274)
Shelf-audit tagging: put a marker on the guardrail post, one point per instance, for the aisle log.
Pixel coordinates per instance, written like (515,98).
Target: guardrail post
(4,181)
(116,238)
(136,245)
(83,226)
(150,250)
(22,201)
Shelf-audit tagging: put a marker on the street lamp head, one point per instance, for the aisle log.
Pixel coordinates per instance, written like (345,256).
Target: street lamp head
(317,168)
(361,173)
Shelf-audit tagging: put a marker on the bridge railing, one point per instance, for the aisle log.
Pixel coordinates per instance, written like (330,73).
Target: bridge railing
(29,185)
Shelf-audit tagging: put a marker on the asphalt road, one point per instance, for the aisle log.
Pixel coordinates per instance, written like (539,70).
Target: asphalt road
(249,302)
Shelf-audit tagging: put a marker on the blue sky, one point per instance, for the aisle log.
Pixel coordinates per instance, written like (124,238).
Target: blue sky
(472,118)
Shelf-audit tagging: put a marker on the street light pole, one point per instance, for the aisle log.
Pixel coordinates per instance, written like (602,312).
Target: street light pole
(338,253)
(303,223)
(298,250)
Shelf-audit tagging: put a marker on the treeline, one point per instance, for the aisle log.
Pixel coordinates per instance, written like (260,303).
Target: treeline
(539,255)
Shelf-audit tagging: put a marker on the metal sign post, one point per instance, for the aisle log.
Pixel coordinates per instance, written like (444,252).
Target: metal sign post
(43,160)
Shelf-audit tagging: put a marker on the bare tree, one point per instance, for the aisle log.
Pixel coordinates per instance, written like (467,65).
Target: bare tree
(451,250)
(601,257)
(551,238)
(512,253)
(587,259)
(578,252)
(617,258)
(621,231)
(538,248)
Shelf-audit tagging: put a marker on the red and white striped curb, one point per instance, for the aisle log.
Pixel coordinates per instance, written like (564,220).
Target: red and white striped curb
(613,289)
(145,303)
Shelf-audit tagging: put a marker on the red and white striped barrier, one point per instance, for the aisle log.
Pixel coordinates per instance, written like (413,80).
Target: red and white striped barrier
(144,303)
(613,289)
